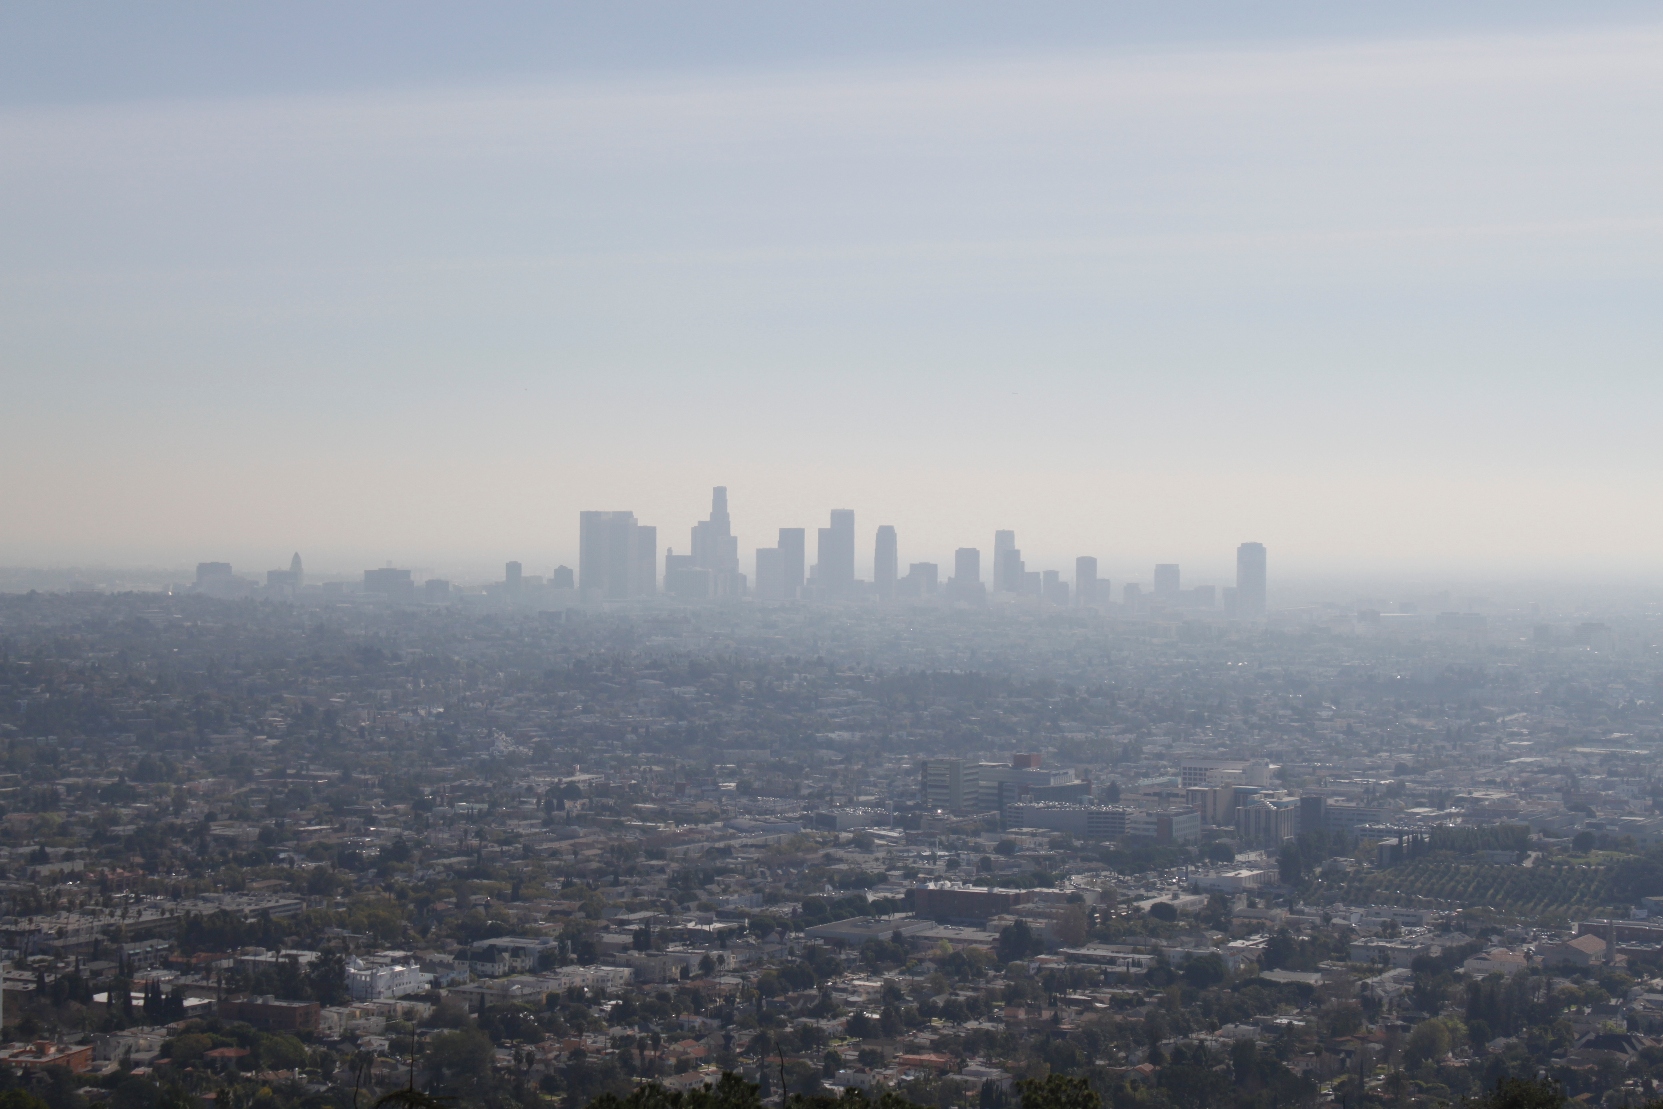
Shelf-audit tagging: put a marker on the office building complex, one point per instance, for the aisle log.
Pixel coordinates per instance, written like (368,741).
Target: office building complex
(1164,826)
(1217,805)
(950,784)
(1220,772)
(1081,821)
(1022,780)
(1166,582)
(617,557)
(1250,580)
(1263,822)
(885,562)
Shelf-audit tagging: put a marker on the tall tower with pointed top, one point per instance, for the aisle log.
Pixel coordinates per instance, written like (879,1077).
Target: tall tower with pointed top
(294,568)
(716,548)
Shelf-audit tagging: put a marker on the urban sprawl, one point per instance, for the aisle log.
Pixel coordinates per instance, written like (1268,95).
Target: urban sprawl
(954,843)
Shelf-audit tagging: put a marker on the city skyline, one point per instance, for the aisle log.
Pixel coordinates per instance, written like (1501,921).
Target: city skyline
(1376,290)
(620,560)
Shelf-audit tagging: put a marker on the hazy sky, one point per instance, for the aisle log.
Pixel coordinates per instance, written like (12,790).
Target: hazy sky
(410,282)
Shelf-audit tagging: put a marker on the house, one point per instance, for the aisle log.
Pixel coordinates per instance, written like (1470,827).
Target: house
(1617,1046)
(506,955)
(1398,953)
(1582,951)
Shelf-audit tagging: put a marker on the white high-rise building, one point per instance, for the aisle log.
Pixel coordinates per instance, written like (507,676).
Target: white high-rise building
(1250,580)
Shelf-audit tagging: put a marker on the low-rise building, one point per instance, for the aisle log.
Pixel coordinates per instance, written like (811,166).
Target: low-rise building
(1497,960)
(270,1014)
(41,1054)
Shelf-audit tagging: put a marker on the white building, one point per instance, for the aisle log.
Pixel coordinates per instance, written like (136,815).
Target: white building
(367,982)
(1234,881)
(592,977)
(1222,772)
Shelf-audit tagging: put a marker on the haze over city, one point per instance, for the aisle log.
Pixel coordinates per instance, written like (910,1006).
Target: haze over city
(738,555)
(1374,288)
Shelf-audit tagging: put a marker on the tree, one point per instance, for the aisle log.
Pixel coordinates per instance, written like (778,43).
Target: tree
(184,1051)
(1018,942)
(1203,971)
(1059,1091)
(1519,1093)
(1582,842)
(1217,852)
(1281,950)
(733,1092)
(460,1059)
(1290,865)
(282,1052)
(889,1022)
(1429,1042)
(1164,910)
(1071,926)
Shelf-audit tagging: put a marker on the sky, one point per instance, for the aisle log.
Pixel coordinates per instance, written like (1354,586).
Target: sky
(418,282)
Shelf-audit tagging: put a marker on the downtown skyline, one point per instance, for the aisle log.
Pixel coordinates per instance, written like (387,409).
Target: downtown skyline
(1377,291)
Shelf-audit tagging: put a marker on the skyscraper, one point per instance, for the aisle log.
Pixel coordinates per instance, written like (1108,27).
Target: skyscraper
(511,577)
(886,562)
(1085,581)
(1250,580)
(644,580)
(296,569)
(834,573)
(617,557)
(1053,588)
(966,582)
(792,545)
(1007,572)
(921,581)
(1166,581)
(716,548)
(770,574)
